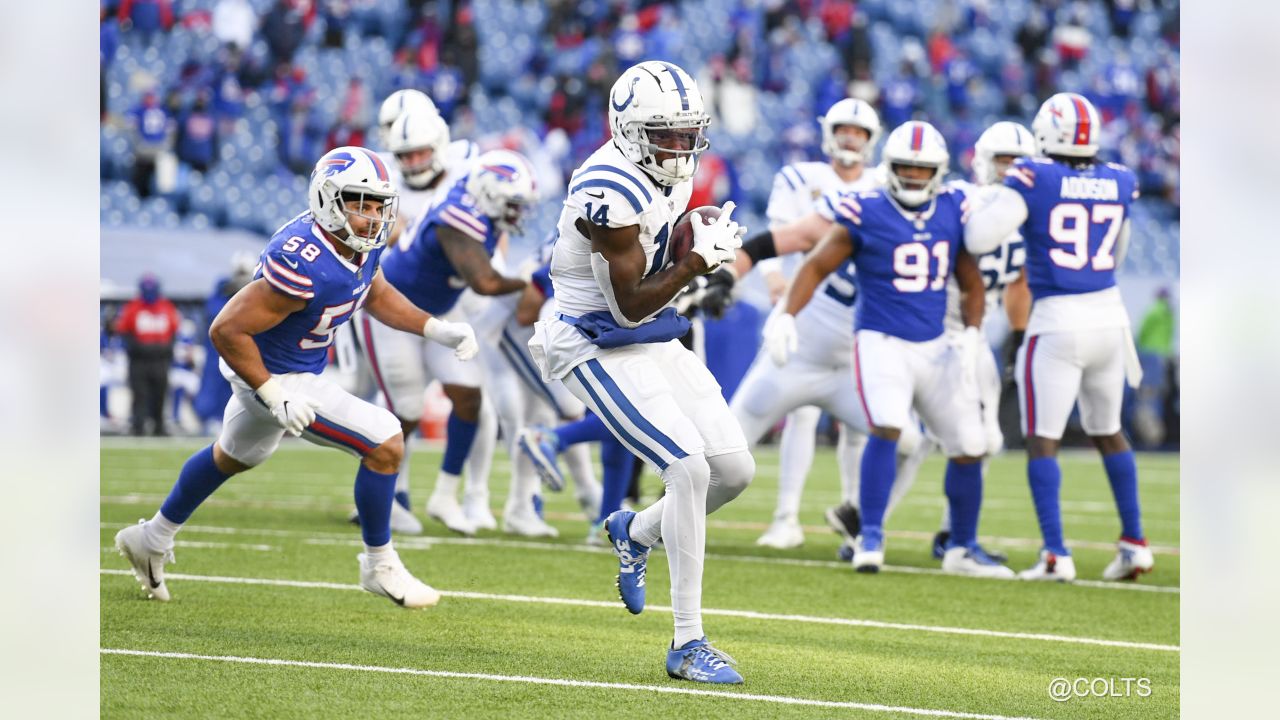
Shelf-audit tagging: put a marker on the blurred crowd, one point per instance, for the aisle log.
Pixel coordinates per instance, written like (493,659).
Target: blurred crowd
(205,100)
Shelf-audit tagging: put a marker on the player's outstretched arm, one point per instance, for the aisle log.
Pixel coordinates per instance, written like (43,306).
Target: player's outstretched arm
(255,309)
(800,235)
(391,308)
(835,248)
(473,263)
(1017,303)
(994,212)
(529,306)
(973,299)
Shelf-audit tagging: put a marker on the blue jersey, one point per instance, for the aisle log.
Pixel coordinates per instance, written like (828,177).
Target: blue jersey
(903,260)
(1074,216)
(300,263)
(421,270)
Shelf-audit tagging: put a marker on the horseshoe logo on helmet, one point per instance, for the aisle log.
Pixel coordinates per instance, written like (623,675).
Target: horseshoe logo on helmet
(630,96)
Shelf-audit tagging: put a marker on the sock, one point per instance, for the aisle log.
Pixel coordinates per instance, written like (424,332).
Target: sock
(908,468)
(524,483)
(1122,472)
(684,530)
(618,463)
(795,458)
(1045,478)
(103,393)
(879,461)
(849,446)
(461,436)
(374,550)
(480,459)
(963,485)
(197,481)
(160,532)
(577,460)
(402,478)
(375,492)
(589,428)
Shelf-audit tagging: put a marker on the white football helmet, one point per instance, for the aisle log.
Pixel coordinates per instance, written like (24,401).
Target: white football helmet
(399,103)
(502,185)
(917,144)
(655,107)
(1067,125)
(417,130)
(850,111)
(353,174)
(1003,138)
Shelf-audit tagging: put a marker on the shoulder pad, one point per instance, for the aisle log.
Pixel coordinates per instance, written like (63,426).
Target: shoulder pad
(286,265)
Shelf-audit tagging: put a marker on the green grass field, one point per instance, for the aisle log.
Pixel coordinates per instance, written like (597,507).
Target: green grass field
(267,621)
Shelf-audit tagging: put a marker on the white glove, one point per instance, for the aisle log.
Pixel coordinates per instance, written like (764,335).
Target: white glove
(717,241)
(780,337)
(969,344)
(456,335)
(294,411)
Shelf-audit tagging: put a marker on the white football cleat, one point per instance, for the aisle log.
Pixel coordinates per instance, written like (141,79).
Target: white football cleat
(1132,559)
(783,534)
(477,511)
(964,561)
(527,525)
(148,565)
(383,574)
(867,559)
(1059,568)
(589,500)
(447,510)
(403,521)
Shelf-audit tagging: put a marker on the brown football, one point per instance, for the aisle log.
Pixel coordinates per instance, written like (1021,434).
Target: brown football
(682,233)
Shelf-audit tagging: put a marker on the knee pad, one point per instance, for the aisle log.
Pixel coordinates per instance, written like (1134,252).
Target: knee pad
(691,471)
(731,473)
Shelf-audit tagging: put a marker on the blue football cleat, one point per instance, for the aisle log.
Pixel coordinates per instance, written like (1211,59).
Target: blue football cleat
(539,445)
(632,560)
(699,662)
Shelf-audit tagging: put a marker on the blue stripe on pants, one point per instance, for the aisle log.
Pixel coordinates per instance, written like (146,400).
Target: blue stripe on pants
(631,412)
(616,426)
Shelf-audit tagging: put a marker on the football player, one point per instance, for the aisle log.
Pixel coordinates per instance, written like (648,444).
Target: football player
(273,337)
(448,252)
(1078,344)
(850,130)
(906,241)
(614,340)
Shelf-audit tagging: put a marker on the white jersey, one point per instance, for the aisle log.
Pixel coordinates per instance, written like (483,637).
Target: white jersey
(414,204)
(606,190)
(826,323)
(999,268)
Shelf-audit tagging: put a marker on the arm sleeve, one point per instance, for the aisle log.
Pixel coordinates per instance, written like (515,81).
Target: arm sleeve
(288,272)
(995,212)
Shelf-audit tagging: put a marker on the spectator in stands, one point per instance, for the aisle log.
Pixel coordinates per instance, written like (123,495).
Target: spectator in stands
(1155,351)
(284,27)
(152,135)
(234,23)
(1155,335)
(337,17)
(145,16)
(197,135)
(148,324)
(228,100)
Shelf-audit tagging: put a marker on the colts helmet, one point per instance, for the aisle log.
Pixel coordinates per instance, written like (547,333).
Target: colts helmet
(399,103)
(921,145)
(1003,138)
(352,173)
(655,107)
(850,111)
(502,186)
(419,130)
(1067,125)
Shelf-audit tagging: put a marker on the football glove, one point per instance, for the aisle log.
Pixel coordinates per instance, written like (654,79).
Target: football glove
(456,335)
(294,411)
(717,295)
(1011,345)
(717,242)
(780,337)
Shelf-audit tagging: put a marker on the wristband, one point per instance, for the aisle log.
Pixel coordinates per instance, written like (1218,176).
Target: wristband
(270,392)
(760,247)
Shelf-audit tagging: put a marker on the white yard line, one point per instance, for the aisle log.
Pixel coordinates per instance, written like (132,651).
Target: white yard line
(185,544)
(428,542)
(560,682)
(748,614)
